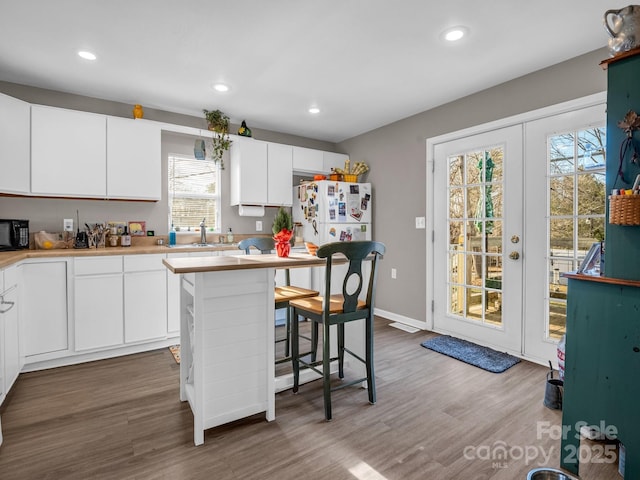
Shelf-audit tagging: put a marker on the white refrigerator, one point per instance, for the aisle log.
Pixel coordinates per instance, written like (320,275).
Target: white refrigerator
(332,211)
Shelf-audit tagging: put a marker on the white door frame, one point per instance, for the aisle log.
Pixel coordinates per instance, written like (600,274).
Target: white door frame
(564,107)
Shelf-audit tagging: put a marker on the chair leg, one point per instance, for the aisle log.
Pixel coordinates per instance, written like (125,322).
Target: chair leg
(288,333)
(371,380)
(326,370)
(314,340)
(295,351)
(341,350)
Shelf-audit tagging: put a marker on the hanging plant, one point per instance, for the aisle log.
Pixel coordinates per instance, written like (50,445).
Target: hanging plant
(218,123)
(630,123)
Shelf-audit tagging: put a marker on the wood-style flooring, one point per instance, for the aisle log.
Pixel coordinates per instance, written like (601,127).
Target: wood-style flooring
(436,418)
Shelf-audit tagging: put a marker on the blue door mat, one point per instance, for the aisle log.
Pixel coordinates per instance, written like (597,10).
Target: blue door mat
(476,355)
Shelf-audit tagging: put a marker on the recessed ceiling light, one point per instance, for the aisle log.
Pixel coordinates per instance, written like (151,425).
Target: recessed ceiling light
(87,55)
(220,87)
(314,110)
(454,34)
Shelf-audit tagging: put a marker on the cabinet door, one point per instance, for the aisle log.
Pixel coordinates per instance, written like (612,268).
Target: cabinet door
(12,363)
(133,159)
(15,116)
(307,160)
(43,307)
(279,174)
(248,164)
(145,312)
(68,153)
(98,323)
(333,160)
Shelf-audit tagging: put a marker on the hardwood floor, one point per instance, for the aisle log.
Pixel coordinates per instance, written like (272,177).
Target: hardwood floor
(436,418)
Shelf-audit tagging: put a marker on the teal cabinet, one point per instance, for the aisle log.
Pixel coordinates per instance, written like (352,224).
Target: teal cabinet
(602,376)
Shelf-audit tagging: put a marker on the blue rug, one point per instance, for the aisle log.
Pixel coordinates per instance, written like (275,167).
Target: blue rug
(477,355)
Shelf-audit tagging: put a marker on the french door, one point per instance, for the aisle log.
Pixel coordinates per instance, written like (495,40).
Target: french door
(513,209)
(478,238)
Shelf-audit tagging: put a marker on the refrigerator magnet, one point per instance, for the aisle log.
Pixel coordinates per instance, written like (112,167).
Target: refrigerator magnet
(332,231)
(354,189)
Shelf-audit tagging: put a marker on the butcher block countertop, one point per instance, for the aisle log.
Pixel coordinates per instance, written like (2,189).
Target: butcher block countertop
(9,258)
(241,262)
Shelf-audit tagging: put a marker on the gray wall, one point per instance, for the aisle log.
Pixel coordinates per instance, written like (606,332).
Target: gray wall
(396,155)
(47,214)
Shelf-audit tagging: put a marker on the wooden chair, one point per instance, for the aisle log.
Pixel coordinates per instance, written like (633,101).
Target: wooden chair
(284,294)
(337,310)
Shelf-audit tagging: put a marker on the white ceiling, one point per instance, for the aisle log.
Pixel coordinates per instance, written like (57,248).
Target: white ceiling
(364,63)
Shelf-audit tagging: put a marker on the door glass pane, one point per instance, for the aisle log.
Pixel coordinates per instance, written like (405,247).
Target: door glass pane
(475,235)
(576,212)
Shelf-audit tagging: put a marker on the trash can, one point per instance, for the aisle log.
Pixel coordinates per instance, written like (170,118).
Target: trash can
(549,474)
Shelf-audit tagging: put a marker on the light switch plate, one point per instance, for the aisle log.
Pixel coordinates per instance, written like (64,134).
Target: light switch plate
(420,222)
(68,225)
(258,225)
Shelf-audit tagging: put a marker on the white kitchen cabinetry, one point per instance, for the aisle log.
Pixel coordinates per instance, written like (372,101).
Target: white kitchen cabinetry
(333,160)
(15,117)
(43,307)
(98,302)
(261,173)
(248,164)
(133,159)
(68,153)
(307,160)
(279,174)
(145,298)
(11,361)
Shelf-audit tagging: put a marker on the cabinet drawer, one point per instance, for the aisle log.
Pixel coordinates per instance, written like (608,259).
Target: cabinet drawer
(98,265)
(143,263)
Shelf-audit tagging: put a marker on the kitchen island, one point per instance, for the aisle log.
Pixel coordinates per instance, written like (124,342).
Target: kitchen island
(227,368)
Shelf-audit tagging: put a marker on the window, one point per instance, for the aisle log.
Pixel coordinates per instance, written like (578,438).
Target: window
(194,193)
(576,214)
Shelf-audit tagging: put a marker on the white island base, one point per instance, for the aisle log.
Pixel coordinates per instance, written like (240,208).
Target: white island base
(227,346)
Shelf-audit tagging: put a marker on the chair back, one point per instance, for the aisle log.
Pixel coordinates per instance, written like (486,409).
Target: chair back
(264,244)
(356,252)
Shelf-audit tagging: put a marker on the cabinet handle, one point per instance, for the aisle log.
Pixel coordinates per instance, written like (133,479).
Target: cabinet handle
(3,302)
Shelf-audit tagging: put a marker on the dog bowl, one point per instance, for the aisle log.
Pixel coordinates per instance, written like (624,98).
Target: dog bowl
(549,474)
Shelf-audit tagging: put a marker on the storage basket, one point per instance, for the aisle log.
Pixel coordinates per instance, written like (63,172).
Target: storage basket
(624,209)
(350,178)
(336,177)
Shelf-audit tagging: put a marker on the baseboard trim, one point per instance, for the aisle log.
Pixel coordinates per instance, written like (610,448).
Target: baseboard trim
(401,319)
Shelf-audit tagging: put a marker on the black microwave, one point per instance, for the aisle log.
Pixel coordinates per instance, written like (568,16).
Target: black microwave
(14,234)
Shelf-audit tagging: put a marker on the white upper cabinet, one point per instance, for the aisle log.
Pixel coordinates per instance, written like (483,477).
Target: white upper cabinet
(134,167)
(68,153)
(333,160)
(14,145)
(279,175)
(248,164)
(307,160)
(261,173)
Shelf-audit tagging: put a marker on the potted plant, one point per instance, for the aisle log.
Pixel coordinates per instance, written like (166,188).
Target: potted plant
(218,123)
(282,232)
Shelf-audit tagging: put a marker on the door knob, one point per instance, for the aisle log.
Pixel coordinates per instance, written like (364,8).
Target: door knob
(514,255)
(515,239)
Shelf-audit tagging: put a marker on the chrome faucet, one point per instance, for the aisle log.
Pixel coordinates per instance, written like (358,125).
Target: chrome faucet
(203,232)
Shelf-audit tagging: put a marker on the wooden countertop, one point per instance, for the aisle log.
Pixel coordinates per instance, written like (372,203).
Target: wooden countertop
(241,262)
(9,258)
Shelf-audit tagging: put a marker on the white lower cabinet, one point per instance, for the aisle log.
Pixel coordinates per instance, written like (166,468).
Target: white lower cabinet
(43,308)
(145,298)
(11,360)
(98,323)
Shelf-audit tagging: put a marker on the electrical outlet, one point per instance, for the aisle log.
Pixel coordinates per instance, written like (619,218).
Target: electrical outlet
(420,222)
(68,225)
(258,225)
(394,273)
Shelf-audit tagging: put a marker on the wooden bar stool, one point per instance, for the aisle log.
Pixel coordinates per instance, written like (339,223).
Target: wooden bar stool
(284,294)
(337,310)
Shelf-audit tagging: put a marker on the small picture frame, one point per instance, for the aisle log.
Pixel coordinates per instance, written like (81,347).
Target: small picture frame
(137,229)
(591,263)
